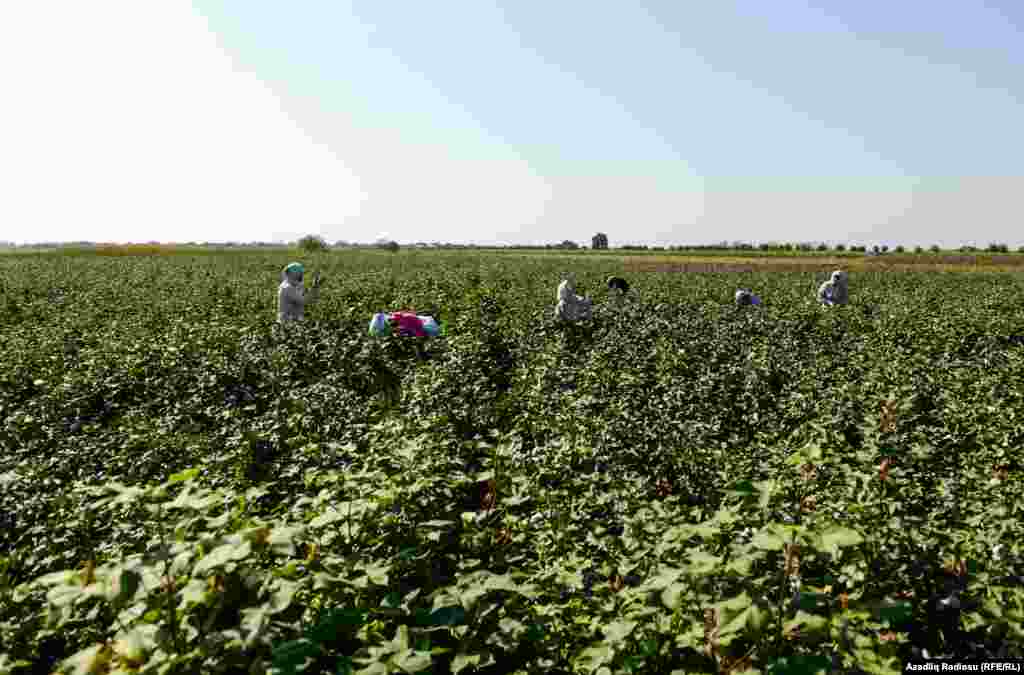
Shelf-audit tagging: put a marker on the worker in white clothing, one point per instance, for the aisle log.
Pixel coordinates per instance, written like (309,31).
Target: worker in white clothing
(571,307)
(292,298)
(835,291)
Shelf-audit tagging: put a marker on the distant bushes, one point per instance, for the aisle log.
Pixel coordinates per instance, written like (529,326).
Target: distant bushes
(312,244)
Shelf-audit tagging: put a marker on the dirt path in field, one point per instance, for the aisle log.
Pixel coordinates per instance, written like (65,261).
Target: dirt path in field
(695,264)
(806,263)
(821,264)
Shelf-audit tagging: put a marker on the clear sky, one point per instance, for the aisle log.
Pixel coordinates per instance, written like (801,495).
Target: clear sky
(524,121)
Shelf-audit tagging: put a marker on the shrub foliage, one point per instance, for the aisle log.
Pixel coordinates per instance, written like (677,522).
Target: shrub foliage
(675,485)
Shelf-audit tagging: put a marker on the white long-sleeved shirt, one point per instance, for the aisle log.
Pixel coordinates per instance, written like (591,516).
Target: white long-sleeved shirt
(292,301)
(571,307)
(834,292)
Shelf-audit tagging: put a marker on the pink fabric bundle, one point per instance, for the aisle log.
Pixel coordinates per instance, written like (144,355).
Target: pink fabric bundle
(408,324)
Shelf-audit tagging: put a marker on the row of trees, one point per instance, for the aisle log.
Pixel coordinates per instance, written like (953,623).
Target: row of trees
(877,249)
(599,242)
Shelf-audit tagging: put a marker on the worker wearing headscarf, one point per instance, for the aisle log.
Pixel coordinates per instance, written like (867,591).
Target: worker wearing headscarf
(291,295)
(571,307)
(404,323)
(567,289)
(835,291)
(744,298)
(618,284)
(618,289)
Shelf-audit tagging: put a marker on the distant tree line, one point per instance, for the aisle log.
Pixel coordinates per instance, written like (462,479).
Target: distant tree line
(598,242)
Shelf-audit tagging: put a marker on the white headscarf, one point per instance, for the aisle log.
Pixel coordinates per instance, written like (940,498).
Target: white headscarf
(840,290)
(567,289)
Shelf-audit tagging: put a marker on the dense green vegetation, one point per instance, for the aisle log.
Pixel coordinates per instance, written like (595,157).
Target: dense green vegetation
(186,487)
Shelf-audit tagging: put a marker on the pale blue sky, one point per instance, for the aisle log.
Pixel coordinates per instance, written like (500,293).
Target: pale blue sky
(518,122)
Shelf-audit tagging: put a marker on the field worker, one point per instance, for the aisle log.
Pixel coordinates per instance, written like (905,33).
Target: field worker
(834,291)
(404,323)
(571,307)
(291,295)
(618,289)
(618,284)
(745,298)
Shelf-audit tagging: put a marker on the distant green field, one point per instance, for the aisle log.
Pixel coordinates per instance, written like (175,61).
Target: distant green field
(673,486)
(794,260)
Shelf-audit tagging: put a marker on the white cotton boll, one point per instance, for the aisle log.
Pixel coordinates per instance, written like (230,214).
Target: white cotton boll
(953,602)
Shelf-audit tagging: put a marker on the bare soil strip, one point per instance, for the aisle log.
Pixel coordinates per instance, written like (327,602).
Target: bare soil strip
(951,263)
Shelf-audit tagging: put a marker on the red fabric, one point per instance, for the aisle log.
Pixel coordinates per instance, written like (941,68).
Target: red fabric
(408,324)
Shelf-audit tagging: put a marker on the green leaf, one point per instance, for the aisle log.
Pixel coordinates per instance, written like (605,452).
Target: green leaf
(469,597)
(200,501)
(136,643)
(55,578)
(742,488)
(378,574)
(757,619)
(511,626)
(808,602)
(896,613)
(401,640)
(447,616)
(194,592)
(672,595)
(595,656)
(127,586)
(62,596)
(765,489)
(283,537)
(618,630)
(83,662)
(463,661)
(183,476)
(741,566)
(335,621)
(254,619)
(809,624)
(736,612)
(800,665)
(222,555)
(219,521)
(703,563)
(706,530)
(344,666)
(327,517)
(836,537)
(7,666)
(283,595)
(412,661)
(323,581)
(289,658)
(766,540)
(664,577)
